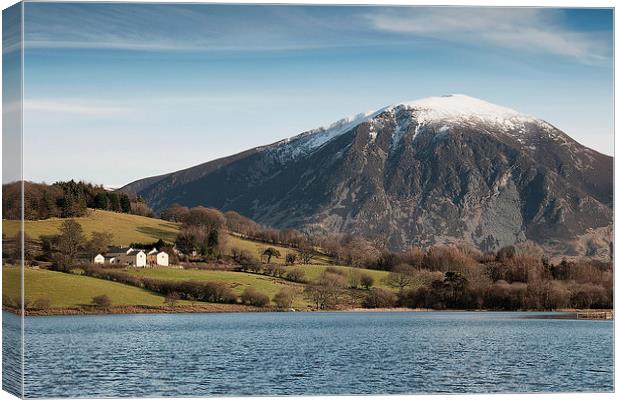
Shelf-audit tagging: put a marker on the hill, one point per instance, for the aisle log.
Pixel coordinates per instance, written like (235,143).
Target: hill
(440,170)
(126,228)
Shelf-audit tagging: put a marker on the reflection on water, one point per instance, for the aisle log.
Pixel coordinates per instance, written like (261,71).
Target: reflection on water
(314,353)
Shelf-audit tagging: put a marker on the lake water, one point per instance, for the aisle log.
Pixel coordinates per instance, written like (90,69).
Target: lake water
(313,353)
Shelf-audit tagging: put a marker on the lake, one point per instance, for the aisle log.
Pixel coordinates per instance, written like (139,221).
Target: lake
(313,353)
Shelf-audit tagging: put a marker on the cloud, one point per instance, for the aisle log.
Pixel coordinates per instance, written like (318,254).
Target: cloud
(530,29)
(165,28)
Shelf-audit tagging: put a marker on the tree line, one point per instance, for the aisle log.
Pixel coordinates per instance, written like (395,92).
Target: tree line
(441,276)
(66,200)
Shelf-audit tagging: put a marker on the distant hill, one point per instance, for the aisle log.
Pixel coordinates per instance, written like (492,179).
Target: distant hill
(437,170)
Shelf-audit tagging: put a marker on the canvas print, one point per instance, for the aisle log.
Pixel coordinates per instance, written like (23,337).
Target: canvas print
(250,200)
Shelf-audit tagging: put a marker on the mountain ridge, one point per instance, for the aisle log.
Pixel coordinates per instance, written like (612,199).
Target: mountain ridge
(435,170)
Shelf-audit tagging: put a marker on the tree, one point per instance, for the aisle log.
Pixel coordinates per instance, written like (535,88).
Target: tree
(296,275)
(506,253)
(240,224)
(171,299)
(366,281)
(361,252)
(213,242)
(325,292)
(206,218)
(252,297)
(125,203)
(455,283)
(402,276)
(186,241)
(201,232)
(284,298)
(102,301)
(379,298)
(99,243)
(175,213)
(306,252)
(114,201)
(139,207)
(101,201)
(291,258)
(271,252)
(70,241)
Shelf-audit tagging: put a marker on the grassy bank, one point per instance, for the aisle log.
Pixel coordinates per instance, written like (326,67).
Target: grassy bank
(66,290)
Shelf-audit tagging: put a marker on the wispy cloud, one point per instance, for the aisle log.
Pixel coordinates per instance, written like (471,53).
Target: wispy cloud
(167,28)
(528,29)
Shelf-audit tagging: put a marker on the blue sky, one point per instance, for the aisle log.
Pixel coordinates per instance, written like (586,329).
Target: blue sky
(117,92)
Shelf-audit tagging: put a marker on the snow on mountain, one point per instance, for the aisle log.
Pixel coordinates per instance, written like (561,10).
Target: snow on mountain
(447,169)
(306,142)
(459,106)
(446,110)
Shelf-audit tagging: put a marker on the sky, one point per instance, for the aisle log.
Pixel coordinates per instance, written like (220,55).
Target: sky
(118,92)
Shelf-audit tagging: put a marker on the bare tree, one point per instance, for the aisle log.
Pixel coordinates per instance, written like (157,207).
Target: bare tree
(325,292)
(402,276)
(70,242)
(99,242)
(284,298)
(175,213)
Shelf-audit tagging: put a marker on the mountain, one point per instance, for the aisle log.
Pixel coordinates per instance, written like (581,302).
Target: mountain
(436,170)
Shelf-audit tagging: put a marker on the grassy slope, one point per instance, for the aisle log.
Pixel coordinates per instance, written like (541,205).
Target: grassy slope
(257,248)
(65,290)
(71,290)
(128,228)
(125,227)
(238,281)
(133,229)
(314,271)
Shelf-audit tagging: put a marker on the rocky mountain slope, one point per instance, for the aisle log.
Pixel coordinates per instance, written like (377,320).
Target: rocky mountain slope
(437,170)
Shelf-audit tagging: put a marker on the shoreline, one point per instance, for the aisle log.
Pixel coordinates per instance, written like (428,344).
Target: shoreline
(214,308)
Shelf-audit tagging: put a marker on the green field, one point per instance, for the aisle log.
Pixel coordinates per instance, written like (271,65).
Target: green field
(126,228)
(314,271)
(66,290)
(255,248)
(238,281)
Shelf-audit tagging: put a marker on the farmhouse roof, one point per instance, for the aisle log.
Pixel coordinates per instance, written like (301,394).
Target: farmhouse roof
(118,249)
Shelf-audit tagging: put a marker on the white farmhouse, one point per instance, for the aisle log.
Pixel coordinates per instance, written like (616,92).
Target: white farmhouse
(162,258)
(134,258)
(155,257)
(122,256)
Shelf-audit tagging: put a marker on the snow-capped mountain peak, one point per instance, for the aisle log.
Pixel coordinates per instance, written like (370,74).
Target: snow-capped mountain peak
(436,170)
(459,106)
(447,110)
